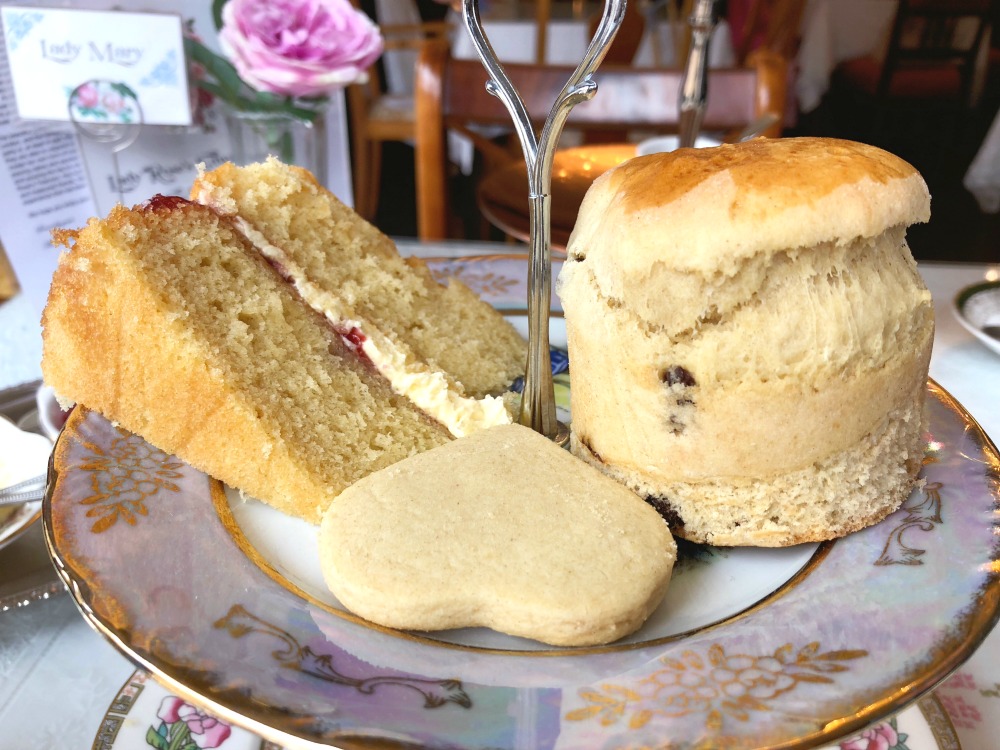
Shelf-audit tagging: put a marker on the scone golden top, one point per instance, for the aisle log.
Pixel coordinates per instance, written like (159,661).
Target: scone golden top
(713,201)
(501,529)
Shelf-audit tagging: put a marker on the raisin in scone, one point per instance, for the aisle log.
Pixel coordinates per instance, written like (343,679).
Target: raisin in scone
(749,336)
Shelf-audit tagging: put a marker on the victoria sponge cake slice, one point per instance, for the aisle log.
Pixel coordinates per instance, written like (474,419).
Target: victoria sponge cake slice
(749,336)
(165,319)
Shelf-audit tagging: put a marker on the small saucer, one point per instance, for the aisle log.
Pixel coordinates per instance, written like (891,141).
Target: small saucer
(977,308)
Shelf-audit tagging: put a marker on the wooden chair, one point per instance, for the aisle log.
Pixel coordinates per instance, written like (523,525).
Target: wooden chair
(621,52)
(929,62)
(628,38)
(543,14)
(8,281)
(377,116)
(451,95)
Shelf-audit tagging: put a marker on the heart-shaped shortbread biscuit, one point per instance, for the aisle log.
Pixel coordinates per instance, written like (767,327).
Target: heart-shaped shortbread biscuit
(501,529)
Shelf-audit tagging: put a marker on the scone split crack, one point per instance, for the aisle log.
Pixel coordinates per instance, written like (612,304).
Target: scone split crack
(852,301)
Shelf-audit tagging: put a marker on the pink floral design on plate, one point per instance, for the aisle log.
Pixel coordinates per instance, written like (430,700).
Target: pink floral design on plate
(883,736)
(185,727)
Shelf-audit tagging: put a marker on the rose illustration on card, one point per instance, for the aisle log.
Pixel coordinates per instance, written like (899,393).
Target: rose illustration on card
(104,102)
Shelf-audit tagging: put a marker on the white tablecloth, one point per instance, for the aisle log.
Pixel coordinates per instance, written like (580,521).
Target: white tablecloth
(58,677)
(834,31)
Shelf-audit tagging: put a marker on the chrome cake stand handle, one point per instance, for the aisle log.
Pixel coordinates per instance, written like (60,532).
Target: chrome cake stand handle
(538,410)
(694,90)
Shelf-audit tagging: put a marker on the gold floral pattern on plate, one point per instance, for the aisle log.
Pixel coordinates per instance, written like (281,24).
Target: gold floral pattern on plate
(240,623)
(921,513)
(484,284)
(714,684)
(124,477)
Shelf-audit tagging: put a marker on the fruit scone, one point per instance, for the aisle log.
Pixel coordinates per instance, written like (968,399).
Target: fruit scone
(749,336)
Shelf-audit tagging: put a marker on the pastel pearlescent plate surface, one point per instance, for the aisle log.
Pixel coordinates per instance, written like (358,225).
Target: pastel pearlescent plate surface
(143,706)
(158,563)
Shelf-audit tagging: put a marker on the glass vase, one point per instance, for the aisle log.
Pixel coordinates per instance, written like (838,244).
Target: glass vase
(256,135)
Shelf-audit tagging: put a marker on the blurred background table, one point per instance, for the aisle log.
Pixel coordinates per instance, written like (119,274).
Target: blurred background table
(512,29)
(503,194)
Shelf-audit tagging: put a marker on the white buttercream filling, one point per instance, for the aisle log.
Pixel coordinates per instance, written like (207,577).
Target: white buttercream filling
(428,389)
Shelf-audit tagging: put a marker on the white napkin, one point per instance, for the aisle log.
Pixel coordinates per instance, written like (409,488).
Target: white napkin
(23,455)
(983,176)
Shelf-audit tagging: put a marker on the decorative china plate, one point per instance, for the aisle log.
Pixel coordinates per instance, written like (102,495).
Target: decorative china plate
(146,714)
(977,308)
(158,562)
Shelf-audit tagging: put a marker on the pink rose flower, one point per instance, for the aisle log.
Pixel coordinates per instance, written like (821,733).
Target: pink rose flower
(881,737)
(298,47)
(206,731)
(87,95)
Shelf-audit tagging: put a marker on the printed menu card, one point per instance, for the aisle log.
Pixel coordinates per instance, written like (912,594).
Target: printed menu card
(96,65)
(119,64)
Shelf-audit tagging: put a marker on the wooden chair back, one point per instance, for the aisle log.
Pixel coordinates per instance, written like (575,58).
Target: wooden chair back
(377,115)
(621,52)
(628,39)
(451,95)
(932,37)
(543,14)
(8,281)
(926,77)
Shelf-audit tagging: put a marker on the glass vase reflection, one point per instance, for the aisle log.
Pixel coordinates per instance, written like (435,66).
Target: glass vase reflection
(256,135)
